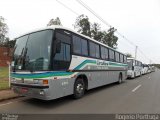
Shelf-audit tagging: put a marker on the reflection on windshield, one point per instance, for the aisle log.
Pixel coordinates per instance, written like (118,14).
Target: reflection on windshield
(19,52)
(34,52)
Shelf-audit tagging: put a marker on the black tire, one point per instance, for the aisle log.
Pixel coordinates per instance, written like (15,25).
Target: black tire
(134,75)
(120,79)
(79,88)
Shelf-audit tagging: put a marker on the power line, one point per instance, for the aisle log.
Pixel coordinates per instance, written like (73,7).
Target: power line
(145,55)
(126,38)
(95,14)
(106,23)
(67,8)
(102,20)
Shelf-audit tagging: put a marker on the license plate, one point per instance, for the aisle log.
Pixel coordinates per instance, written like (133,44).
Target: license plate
(24,90)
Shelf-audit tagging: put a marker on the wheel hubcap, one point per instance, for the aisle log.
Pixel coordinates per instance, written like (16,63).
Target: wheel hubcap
(79,88)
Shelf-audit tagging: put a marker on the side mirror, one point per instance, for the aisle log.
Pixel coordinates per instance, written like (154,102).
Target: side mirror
(132,67)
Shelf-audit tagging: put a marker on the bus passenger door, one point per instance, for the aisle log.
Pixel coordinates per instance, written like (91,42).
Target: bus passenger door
(61,61)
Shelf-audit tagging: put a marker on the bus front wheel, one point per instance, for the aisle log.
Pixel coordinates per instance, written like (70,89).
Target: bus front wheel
(79,88)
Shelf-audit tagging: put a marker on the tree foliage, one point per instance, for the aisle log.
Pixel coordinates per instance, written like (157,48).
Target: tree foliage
(3,31)
(128,55)
(109,38)
(56,21)
(96,32)
(156,65)
(8,43)
(11,43)
(84,26)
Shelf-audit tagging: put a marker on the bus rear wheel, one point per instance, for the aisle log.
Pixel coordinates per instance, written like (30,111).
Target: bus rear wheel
(79,88)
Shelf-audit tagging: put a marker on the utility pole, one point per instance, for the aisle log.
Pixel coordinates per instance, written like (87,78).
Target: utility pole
(136,52)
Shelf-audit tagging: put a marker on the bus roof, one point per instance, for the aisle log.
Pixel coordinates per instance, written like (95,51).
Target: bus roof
(129,58)
(64,28)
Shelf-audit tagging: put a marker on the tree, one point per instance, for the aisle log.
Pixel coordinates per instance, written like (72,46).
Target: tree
(11,43)
(83,25)
(156,65)
(3,31)
(109,38)
(54,22)
(96,32)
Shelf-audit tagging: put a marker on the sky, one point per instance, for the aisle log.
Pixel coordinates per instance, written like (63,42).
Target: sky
(137,20)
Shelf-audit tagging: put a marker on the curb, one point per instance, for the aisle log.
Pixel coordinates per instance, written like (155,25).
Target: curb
(9,98)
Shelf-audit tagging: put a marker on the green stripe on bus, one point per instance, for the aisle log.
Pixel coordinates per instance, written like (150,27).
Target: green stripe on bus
(60,73)
(41,75)
(84,63)
(117,64)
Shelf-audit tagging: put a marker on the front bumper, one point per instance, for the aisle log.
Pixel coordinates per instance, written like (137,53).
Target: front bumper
(39,92)
(129,74)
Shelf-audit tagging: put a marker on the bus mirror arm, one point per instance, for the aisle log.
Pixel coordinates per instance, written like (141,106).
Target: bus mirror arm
(132,67)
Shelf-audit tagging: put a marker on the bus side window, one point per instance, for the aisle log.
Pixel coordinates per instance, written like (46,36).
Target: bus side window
(125,59)
(121,58)
(80,46)
(76,44)
(97,51)
(111,55)
(64,54)
(94,50)
(102,52)
(84,47)
(106,53)
(117,56)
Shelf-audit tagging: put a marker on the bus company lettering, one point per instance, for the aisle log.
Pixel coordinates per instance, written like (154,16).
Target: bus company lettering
(102,63)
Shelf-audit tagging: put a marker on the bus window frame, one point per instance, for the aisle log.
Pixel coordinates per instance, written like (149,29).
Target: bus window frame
(53,46)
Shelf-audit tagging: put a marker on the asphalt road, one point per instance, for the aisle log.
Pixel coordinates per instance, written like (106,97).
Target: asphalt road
(140,95)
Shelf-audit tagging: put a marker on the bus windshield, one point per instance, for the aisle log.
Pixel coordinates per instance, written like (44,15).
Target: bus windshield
(32,51)
(130,64)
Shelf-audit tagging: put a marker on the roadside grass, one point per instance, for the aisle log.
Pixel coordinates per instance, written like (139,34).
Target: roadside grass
(4,83)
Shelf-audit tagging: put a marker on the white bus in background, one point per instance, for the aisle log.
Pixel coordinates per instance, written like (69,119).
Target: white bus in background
(134,68)
(153,68)
(149,69)
(145,69)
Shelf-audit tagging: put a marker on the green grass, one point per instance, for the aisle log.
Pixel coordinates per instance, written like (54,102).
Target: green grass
(4,85)
(3,72)
(4,78)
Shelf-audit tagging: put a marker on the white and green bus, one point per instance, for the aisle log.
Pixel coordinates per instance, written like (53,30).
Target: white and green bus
(135,68)
(54,62)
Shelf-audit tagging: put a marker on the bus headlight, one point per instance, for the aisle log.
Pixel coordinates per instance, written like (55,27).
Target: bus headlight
(41,92)
(40,81)
(36,81)
(13,80)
